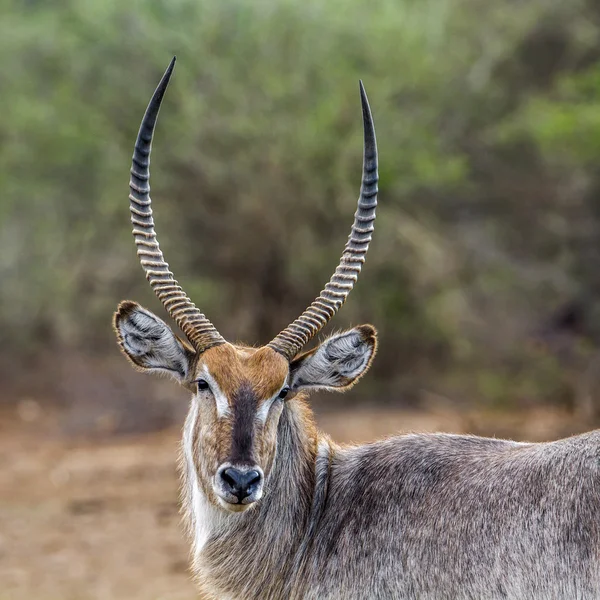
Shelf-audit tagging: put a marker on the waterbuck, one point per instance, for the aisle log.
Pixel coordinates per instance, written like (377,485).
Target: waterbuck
(277,510)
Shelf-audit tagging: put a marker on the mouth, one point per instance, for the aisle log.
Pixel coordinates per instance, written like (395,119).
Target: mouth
(235,507)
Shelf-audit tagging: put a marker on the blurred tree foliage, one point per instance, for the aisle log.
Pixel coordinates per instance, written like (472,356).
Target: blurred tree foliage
(488,120)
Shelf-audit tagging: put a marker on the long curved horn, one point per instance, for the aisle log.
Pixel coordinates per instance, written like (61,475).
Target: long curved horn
(296,335)
(192,322)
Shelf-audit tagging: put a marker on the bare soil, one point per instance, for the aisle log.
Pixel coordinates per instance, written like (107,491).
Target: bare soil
(82,520)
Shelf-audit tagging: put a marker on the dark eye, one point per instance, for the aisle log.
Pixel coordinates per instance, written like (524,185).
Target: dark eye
(283,393)
(202,385)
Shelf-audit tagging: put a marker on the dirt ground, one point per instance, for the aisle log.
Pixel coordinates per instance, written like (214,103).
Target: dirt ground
(99,520)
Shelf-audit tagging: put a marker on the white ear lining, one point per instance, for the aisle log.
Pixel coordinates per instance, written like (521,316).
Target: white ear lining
(337,363)
(151,344)
(349,352)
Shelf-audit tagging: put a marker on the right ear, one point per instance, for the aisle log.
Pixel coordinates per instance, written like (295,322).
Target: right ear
(149,343)
(338,363)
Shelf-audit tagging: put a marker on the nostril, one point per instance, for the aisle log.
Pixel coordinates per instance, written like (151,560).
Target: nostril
(253,477)
(229,478)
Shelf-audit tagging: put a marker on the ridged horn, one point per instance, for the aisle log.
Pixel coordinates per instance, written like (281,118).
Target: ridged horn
(199,330)
(296,335)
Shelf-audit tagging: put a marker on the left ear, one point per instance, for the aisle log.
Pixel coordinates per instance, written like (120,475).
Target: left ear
(149,343)
(338,363)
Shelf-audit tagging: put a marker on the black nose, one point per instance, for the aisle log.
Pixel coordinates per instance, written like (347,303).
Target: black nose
(240,483)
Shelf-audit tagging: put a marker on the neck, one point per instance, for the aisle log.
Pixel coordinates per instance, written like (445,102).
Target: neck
(266,538)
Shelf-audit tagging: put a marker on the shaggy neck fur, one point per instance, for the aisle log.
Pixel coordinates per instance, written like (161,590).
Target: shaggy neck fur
(235,555)
(427,516)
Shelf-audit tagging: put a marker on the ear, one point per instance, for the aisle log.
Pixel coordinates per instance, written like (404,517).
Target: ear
(338,363)
(149,343)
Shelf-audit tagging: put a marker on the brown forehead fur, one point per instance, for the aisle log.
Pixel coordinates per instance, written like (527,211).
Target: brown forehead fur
(263,368)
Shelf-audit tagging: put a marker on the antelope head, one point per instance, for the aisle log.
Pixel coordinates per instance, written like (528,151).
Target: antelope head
(239,392)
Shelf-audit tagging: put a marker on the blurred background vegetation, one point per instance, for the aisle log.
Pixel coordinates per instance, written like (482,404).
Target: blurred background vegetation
(484,274)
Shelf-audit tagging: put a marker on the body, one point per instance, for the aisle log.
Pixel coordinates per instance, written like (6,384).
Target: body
(419,516)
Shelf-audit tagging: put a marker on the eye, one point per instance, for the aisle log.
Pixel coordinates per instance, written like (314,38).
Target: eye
(283,393)
(202,385)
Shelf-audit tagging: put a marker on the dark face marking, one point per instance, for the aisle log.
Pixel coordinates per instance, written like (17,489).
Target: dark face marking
(234,438)
(244,407)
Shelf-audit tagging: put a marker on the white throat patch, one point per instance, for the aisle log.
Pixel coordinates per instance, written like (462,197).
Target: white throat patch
(205,518)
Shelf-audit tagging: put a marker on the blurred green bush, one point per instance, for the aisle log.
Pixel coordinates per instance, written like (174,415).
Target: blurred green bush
(488,130)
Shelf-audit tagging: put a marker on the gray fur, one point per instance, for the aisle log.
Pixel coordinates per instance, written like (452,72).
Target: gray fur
(414,517)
